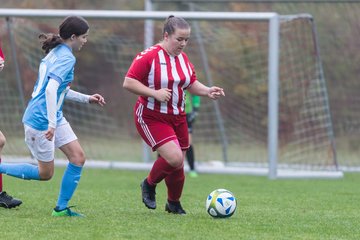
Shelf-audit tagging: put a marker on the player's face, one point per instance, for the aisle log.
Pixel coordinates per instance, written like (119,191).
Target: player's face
(177,41)
(80,40)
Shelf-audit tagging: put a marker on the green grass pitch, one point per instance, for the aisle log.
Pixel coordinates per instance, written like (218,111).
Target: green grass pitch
(111,201)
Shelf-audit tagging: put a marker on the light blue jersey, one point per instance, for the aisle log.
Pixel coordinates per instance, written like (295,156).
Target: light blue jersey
(58,65)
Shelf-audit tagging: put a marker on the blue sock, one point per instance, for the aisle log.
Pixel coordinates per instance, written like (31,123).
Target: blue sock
(69,183)
(21,170)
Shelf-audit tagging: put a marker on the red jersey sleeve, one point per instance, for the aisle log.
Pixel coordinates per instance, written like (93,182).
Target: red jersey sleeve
(193,77)
(2,54)
(139,68)
(192,72)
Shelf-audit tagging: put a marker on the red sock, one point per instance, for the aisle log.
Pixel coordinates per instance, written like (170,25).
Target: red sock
(159,171)
(1,186)
(175,183)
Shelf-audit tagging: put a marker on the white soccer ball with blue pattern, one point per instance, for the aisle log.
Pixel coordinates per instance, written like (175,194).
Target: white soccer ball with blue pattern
(221,203)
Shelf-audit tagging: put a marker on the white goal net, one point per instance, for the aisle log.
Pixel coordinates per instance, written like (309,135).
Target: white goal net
(229,52)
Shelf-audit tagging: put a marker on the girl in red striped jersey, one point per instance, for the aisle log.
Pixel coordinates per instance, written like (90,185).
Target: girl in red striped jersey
(160,75)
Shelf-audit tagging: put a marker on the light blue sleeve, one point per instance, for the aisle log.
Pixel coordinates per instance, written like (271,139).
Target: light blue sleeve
(61,68)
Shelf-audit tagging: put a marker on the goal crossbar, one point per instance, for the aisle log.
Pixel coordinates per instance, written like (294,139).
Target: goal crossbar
(160,15)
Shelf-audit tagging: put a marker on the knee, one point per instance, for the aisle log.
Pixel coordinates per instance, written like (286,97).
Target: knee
(46,175)
(78,158)
(177,159)
(2,140)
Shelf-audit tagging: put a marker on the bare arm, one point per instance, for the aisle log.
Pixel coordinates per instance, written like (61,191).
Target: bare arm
(197,88)
(136,87)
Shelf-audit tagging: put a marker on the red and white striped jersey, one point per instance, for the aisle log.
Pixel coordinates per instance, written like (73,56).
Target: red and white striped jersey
(155,68)
(1,53)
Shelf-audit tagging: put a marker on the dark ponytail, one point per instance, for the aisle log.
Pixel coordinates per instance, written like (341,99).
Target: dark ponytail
(71,25)
(49,41)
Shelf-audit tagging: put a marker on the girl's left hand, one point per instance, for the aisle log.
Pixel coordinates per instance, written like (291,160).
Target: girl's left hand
(215,92)
(97,98)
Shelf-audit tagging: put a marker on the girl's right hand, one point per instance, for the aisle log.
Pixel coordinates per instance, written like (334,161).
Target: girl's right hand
(215,92)
(50,133)
(163,95)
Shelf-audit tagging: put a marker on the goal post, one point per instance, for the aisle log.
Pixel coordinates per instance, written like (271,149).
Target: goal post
(252,67)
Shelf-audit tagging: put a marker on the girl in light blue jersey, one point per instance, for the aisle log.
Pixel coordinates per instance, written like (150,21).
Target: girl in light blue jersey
(45,126)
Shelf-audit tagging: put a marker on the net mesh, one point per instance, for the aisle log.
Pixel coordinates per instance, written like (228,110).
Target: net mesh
(236,54)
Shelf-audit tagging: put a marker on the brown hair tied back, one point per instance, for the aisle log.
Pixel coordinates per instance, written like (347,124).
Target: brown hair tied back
(49,41)
(71,25)
(172,23)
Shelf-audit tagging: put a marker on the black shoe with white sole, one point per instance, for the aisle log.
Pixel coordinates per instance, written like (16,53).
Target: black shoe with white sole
(7,201)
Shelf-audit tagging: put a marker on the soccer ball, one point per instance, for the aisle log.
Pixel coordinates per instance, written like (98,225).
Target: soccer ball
(220,203)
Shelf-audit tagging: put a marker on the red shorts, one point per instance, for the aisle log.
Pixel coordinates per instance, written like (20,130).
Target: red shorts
(158,128)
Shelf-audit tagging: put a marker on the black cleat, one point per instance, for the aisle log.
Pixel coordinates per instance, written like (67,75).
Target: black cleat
(174,207)
(148,194)
(7,201)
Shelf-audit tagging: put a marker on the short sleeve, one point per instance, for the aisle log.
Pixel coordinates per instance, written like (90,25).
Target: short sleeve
(61,68)
(193,77)
(139,68)
(2,54)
